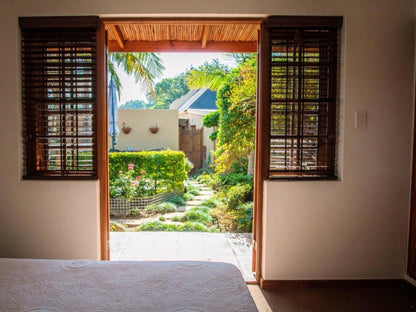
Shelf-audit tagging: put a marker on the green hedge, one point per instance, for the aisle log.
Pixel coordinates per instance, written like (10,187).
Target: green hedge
(165,168)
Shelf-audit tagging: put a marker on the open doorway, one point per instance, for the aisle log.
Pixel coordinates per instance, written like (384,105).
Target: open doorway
(185,35)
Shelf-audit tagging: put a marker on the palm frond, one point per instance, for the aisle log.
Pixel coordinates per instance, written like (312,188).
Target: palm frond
(145,67)
(208,75)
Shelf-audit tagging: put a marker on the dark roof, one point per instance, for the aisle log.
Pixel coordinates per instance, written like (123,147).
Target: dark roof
(196,99)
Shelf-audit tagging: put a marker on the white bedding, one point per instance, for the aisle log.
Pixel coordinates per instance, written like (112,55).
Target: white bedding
(81,285)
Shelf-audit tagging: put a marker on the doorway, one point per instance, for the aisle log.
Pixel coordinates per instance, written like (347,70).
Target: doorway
(190,35)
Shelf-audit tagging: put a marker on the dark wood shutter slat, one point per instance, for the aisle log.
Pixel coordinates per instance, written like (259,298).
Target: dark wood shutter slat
(303,96)
(59,92)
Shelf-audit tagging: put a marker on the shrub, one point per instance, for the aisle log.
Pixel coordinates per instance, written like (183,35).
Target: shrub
(211,180)
(234,178)
(157,226)
(188,165)
(162,218)
(130,185)
(165,169)
(188,196)
(193,190)
(162,208)
(211,202)
(195,227)
(237,195)
(178,200)
(134,212)
(244,217)
(198,215)
(176,219)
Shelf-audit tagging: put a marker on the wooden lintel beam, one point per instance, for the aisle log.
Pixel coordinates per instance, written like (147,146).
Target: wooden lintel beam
(115,29)
(182,21)
(204,38)
(183,46)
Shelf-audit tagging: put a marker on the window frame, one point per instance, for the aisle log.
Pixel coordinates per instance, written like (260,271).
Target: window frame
(290,23)
(37,155)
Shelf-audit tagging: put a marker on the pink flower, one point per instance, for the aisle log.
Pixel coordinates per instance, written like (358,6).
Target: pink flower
(131,166)
(142,172)
(137,178)
(120,172)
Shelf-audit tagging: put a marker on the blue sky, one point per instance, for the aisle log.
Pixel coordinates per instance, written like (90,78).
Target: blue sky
(175,63)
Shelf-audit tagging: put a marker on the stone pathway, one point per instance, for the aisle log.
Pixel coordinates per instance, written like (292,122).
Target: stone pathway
(204,194)
(234,248)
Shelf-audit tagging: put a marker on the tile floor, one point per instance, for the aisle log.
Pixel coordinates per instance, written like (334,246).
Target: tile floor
(222,247)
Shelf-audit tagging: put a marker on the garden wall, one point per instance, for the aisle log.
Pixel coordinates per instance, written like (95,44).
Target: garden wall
(140,138)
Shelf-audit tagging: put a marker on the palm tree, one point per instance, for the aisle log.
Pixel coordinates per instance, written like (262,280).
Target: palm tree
(212,75)
(145,67)
(208,75)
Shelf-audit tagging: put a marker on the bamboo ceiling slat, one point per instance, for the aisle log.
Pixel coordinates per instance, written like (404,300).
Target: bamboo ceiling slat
(177,31)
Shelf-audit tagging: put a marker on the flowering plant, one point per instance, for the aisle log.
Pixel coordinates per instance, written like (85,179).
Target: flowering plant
(130,185)
(125,126)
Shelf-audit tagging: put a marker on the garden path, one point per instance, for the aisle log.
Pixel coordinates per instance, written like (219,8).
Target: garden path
(204,194)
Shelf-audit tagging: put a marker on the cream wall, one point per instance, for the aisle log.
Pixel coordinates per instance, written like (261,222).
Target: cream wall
(352,228)
(140,138)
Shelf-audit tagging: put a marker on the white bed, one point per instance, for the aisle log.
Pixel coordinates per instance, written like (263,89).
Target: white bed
(81,285)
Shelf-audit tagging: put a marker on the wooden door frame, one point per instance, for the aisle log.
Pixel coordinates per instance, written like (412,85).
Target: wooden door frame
(411,255)
(261,141)
(102,141)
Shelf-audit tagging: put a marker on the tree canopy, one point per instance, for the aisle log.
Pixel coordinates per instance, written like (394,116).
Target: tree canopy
(168,90)
(236,102)
(145,67)
(134,104)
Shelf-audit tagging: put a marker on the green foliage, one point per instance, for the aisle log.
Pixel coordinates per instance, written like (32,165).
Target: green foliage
(236,101)
(214,135)
(178,200)
(134,212)
(188,196)
(235,178)
(196,227)
(157,226)
(168,90)
(209,75)
(162,218)
(186,227)
(210,180)
(188,165)
(145,67)
(176,218)
(198,215)
(237,195)
(211,120)
(211,203)
(165,169)
(162,208)
(193,190)
(244,217)
(133,104)
(130,185)
(225,181)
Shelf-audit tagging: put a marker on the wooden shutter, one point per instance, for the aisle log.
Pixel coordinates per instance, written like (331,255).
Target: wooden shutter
(59,96)
(304,58)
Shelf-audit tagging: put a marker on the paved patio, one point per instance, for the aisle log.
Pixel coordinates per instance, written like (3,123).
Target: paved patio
(222,247)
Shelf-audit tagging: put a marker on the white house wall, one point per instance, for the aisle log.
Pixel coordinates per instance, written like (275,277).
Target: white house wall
(353,228)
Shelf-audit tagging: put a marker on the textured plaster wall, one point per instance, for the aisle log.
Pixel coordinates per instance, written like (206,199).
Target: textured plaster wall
(353,228)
